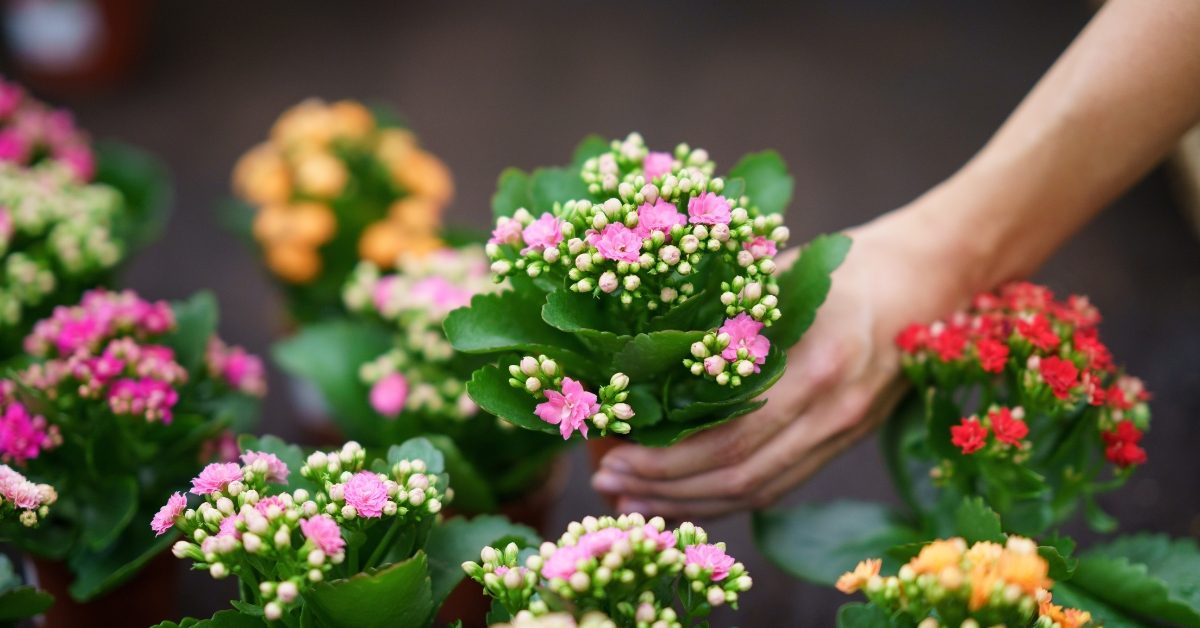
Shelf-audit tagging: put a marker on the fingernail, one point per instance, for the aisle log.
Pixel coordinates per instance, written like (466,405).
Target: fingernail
(613,463)
(606,482)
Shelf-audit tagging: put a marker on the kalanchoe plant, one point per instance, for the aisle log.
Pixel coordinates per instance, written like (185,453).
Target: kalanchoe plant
(646,296)
(1018,415)
(632,571)
(23,504)
(32,132)
(951,585)
(331,539)
(335,184)
(122,399)
(397,376)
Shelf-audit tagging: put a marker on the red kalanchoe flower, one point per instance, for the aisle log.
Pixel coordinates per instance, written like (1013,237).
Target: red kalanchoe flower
(1008,425)
(1061,375)
(1078,311)
(948,341)
(912,338)
(992,355)
(1123,449)
(1038,331)
(1093,389)
(1125,432)
(970,436)
(1087,342)
(1023,296)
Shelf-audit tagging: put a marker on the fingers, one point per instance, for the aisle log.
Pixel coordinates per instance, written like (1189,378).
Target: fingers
(681,510)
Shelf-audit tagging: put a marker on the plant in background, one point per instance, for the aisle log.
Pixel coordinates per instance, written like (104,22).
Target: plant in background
(629,571)
(646,297)
(1018,416)
(122,399)
(949,584)
(397,377)
(32,132)
(335,184)
(328,539)
(23,504)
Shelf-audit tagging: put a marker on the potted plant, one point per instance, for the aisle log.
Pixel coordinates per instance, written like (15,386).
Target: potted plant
(121,398)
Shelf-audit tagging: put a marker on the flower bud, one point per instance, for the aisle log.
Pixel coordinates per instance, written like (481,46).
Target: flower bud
(287,591)
(632,282)
(218,571)
(669,254)
(251,542)
(622,411)
(533,384)
(714,365)
(608,282)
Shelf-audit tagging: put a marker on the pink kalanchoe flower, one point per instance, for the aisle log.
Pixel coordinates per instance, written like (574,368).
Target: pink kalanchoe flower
(541,234)
(78,159)
(229,525)
(14,146)
(384,293)
(6,225)
(743,334)
(563,563)
(389,394)
(761,247)
(165,518)
(277,470)
(663,539)
(244,372)
(367,493)
(617,243)
(11,96)
(709,209)
(657,164)
(23,436)
(709,557)
(324,532)
(507,231)
(216,477)
(265,504)
(660,216)
(439,295)
(570,409)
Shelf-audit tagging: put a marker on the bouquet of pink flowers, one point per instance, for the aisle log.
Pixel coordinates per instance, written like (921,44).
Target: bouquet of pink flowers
(646,297)
(312,539)
(122,398)
(631,571)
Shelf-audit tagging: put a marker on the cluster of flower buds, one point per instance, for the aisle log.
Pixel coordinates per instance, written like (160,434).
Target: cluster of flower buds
(281,542)
(633,245)
(31,131)
(950,584)
(567,404)
(526,619)
(734,351)
(621,567)
(1050,349)
(29,500)
(103,349)
(54,232)
(318,153)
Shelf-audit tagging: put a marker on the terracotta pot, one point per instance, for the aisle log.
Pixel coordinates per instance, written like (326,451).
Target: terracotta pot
(467,602)
(144,600)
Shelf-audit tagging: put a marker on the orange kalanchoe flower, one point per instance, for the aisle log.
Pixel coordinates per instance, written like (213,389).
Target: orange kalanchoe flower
(1064,617)
(852,581)
(938,555)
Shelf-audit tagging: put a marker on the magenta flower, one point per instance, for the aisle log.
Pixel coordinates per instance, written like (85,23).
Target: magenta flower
(743,334)
(22,435)
(385,288)
(11,96)
(657,164)
(324,532)
(617,243)
(570,409)
(244,372)
(277,470)
(709,558)
(541,234)
(709,209)
(761,247)
(265,504)
(367,493)
(6,225)
(229,525)
(165,518)
(663,539)
(78,159)
(14,146)
(440,295)
(507,231)
(563,563)
(389,394)
(660,216)
(215,477)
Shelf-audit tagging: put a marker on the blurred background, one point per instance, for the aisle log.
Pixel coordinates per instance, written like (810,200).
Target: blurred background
(870,103)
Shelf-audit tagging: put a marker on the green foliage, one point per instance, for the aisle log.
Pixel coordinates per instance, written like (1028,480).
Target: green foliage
(459,540)
(490,389)
(18,601)
(290,454)
(512,193)
(804,286)
(1144,575)
(510,321)
(400,594)
(859,615)
(145,185)
(767,181)
(196,321)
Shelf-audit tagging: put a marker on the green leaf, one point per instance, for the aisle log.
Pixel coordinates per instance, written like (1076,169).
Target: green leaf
(459,540)
(903,433)
(859,615)
(418,449)
(328,354)
(804,286)
(554,185)
(397,595)
(647,356)
(23,602)
(223,619)
(490,389)
(512,193)
(818,543)
(1067,595)
(768,183)
(734,188)
(1146,575)
(591,146)
(683,316)
(1013,478)
(292,455)
(472,493)
(510,321)
(1057,552)
(97,572)
(580,314)
(195,323)
(108,510)
(145,184)
(647,409)
(976,521)
(1096,518)
(667,433)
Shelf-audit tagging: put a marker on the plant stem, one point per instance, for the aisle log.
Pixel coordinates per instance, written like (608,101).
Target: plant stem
(382,547)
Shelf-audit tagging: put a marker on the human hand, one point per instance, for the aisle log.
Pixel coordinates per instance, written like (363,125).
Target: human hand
(841,381)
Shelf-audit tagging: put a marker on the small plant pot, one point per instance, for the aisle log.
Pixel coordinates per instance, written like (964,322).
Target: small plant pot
(144,600)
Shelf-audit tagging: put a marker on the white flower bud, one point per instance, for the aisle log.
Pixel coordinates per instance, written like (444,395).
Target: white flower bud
(632,282)
(580,581)
(529,365)
(745,258)
(225,505)
(551,255)
(669,254)
(287,591)
(533,384)
(622,411)
(608,282)
(689,243)
(716,596)
(316,558)
(283,538)
(501,267)
(218,571)
(251,542)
